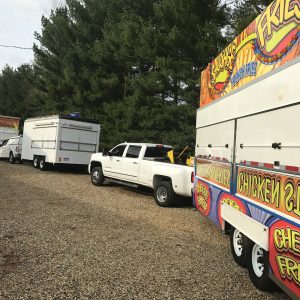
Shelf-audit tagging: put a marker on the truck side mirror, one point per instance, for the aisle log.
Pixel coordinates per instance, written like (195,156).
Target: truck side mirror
(104,152)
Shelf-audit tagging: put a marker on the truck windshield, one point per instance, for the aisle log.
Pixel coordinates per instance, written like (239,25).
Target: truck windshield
(157,152)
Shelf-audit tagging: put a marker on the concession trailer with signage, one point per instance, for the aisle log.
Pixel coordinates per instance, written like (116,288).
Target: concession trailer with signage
(60,139)
(248,147)
(9,127)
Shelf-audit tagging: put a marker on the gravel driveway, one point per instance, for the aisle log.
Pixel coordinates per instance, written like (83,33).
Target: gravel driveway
(63,238)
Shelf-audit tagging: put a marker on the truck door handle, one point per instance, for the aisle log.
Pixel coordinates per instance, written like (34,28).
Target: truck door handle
(117,160)
(135,163)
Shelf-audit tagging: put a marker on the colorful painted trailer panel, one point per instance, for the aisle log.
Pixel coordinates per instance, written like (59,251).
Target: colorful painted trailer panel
(9,127)
(9,122)
(269,42)
(247,147)
(253,197)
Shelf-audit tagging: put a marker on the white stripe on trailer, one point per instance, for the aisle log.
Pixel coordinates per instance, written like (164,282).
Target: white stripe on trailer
(270,166)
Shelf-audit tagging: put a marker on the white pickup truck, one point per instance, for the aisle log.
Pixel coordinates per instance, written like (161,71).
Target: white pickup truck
(143,165)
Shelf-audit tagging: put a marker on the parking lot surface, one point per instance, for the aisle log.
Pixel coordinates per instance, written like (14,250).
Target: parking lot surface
(63,238)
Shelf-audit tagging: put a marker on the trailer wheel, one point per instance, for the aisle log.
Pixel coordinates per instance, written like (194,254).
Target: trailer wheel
(42,164)
(238,246)
(97,176)
(163,194)
(258,267)
(36,162)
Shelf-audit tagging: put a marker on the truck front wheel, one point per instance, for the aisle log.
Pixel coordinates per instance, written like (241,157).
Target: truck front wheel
(97,176)
(163,194)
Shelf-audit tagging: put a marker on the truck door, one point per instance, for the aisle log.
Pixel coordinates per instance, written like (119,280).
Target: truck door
(113,165)
(4,150)
(131,163)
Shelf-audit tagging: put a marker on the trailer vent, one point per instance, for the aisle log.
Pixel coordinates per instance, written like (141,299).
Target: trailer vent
(80,126)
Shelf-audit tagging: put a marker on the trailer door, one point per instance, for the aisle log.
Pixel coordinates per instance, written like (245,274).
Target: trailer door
(270,139)
(214,153)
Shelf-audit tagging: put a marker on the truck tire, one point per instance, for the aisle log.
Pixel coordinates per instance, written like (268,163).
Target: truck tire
(42,164)
(238,246)
(258,267)
(164,194)
(97,176)
(36,162)
(11,158)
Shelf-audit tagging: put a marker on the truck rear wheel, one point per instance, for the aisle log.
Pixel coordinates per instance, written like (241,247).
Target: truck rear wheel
(258,267)
(238,246)
(11,158)
(97,176)
(163,194)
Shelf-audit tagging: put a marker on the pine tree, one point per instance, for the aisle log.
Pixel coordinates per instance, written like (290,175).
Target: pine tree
(243,13)
(133,65)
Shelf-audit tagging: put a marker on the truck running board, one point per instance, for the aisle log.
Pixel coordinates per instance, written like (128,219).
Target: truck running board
(132,185)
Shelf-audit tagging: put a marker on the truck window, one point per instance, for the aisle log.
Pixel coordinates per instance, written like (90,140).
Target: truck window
(133,151)
(157,152)
(118,151)
(12,142)
(3,143)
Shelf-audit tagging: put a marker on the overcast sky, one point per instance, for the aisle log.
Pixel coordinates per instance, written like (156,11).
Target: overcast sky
(18,21)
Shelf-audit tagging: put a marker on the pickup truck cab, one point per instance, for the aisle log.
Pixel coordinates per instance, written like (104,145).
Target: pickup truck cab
(140,164)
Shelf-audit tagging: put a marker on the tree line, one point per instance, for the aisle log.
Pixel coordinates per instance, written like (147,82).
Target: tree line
(132,65)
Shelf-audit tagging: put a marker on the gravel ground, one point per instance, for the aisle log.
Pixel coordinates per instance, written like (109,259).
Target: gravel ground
(63,238)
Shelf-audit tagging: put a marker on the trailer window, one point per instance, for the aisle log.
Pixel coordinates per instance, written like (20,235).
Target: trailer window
(133,151)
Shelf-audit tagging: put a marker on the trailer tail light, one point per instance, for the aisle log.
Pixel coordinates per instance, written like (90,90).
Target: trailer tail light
(192,177)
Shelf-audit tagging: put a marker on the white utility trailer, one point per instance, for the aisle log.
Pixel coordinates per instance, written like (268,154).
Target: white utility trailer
(60,139)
